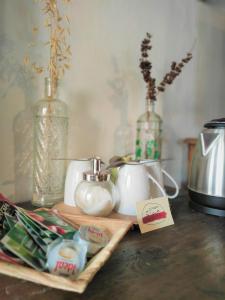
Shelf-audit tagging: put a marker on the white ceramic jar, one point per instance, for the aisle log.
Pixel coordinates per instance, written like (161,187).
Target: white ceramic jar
(96,194)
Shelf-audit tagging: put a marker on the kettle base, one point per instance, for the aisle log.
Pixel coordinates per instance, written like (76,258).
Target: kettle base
(198,197)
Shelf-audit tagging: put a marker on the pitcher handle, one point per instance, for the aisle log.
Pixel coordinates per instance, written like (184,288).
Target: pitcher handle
(175,185)
(158,184)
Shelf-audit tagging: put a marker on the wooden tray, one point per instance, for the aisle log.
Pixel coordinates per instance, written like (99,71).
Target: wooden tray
(118,229)
(61,207)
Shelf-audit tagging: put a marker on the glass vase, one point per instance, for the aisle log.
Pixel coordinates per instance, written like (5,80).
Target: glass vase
(50,148)
(148,135)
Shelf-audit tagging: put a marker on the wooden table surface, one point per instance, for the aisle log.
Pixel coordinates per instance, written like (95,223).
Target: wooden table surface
(183,261)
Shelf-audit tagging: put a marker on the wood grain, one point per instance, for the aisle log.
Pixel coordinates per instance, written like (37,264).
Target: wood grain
(76,211)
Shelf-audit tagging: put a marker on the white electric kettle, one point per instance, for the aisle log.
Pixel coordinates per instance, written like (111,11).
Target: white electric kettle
(138,181)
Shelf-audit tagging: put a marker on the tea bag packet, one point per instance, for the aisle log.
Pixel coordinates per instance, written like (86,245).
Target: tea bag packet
(8,223)
(93,238)
(42,236)
(45,226)
(10,220)
(6,207)
(40,239)
(50,221)
(66,257)
(39,236)
(54,222)
(20,243)
(7,256)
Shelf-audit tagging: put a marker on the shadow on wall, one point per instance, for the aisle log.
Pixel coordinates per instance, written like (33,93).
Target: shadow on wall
(184,163)
(15,75)
(23,148)
(84,127)
(174,150)
(211,70)
(123,139)
(19,90)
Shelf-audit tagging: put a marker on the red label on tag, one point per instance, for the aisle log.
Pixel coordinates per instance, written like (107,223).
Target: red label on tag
(154,217)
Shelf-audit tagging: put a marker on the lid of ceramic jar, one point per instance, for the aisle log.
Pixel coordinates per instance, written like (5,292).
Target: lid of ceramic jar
(96,174)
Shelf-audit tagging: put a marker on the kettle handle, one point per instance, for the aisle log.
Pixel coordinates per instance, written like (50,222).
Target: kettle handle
(175,185)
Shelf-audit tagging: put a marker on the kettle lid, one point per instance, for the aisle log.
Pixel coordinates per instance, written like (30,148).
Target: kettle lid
(216,123)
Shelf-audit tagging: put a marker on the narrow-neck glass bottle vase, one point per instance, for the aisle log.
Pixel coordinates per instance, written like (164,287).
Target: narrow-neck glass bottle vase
(50,148)
(148,135)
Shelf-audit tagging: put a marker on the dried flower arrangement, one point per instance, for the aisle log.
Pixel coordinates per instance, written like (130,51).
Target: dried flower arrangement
(60,50)
(146,66)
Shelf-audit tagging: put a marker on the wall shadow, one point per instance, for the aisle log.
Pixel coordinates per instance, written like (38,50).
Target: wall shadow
(123,140)
(84,127)
(19,89)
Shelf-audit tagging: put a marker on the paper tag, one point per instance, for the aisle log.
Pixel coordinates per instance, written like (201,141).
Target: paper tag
(153,214)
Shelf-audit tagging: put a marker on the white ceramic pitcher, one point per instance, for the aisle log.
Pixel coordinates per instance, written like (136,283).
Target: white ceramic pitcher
(133,184)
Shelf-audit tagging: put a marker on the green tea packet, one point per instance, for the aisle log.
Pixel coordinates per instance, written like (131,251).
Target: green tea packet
(10,220)
(48,220)
(9,257)
(42,236)
(44,226)
(51,221)
(20,243)
(6,207)
(5,254)
(26,235)
(42,242)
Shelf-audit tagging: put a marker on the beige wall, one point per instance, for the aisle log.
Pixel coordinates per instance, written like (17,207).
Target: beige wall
(104,89)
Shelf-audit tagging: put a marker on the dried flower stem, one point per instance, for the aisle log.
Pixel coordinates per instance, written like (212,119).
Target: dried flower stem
(176,69)
(53,69)
(146,66)
(60,52)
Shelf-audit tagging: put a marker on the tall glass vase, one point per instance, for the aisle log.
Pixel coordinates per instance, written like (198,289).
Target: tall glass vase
(50,148)
(148,135)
